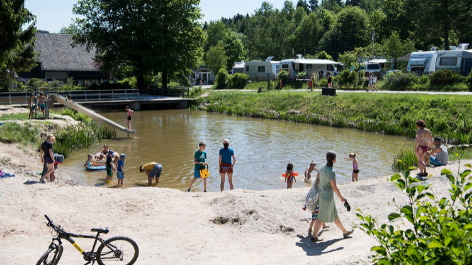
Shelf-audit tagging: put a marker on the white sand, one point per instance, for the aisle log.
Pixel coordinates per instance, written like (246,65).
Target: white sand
(173,227)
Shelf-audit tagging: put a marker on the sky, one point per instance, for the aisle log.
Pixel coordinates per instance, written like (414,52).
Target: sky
(52,15)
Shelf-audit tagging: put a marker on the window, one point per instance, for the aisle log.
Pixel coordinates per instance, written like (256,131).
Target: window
(448,61)
(284,66)
(261,69)
(247,68)
(329,67)
(309,66)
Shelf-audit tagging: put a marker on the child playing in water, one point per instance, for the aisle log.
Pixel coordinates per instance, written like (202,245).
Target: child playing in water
(120,174)
(88,163)
(109,166)
(129,117)
(289,176)
(31,106)
(41,104)
(355,166)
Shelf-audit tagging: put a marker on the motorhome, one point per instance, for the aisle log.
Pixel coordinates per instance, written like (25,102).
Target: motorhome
(451,59)
(457,59)
(257,70)
(421,62)
(319,66)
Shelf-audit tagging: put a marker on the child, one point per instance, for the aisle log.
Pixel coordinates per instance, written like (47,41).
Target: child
(109,165)
(374,82)
(88,163)
(129,117)
(354,165)
(289,176)
(69,98)
(121,172)
(105,149)
(199,160)
(314,215)
(31,106)
(41,104)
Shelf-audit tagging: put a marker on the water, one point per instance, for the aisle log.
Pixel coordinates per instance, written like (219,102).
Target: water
(262,149)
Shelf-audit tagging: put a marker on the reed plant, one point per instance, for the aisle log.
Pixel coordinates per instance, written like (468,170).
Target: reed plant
(76,115)
(73,137)
(404,160)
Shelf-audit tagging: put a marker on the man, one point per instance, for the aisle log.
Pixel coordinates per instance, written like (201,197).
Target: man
(152,170)
(226,167)
(438,156)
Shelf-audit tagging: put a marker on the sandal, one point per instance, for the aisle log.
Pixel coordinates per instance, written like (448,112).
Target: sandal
(326,227)
(316,239)
(348,233)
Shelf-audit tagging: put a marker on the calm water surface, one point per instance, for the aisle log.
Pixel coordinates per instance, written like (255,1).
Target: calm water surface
(262,149)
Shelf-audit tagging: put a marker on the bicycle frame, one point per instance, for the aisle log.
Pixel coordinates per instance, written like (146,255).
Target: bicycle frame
(69,236)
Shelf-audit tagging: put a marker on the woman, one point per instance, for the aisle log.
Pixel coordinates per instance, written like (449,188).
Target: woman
(48,157)
(330,81)
(328,212)
(424,138)
(226,167)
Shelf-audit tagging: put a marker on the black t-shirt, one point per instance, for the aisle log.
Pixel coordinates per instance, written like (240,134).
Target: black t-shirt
(46,146)
(109,160)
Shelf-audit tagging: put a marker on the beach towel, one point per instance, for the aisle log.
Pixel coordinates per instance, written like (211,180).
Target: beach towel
(5,175)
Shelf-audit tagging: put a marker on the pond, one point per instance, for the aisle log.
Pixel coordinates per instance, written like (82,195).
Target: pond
(263,148)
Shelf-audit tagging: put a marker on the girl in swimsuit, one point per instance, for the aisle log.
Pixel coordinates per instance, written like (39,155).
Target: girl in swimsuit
(129,117)
(289,176)
(355,166)
(423,144)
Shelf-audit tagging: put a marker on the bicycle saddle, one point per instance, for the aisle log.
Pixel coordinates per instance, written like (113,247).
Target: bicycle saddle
(100,230)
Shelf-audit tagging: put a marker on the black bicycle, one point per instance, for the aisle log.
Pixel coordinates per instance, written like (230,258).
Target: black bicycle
(115,250)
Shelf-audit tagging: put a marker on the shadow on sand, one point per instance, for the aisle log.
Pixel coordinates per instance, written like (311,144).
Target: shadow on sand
(317,249)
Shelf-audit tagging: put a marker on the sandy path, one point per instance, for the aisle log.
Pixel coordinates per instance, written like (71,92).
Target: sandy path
(173,227)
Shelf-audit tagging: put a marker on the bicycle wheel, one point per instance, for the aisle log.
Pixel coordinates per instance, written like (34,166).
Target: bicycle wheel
(118,250)
(51,256)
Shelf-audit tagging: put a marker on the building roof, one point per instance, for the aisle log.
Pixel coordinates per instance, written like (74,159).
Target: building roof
(315,61)
(56,53)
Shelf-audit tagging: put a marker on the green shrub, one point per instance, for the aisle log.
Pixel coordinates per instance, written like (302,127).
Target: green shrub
(283,75)
(221,78)
(437,231)
(196,91)
(323,82)
(238,80)
(301,75)
(404,160)
(399,81)
(469,80)
(131,82)
(445,77)
(347,79)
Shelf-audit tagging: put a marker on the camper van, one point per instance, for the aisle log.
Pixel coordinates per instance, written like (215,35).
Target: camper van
(257,70)
(421,62)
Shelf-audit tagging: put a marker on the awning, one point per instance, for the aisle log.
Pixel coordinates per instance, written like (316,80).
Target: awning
(404,58)
(417,62)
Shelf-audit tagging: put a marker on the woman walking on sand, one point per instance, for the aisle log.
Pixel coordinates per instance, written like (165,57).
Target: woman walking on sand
(48,157)
(424,138)
(226,167)
(327,207)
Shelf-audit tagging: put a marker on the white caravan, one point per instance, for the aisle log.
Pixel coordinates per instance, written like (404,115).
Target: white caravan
(258,70)
(319,66)
(421,62)
(451,59)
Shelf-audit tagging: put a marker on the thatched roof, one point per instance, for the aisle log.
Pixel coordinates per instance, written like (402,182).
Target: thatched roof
(56,53)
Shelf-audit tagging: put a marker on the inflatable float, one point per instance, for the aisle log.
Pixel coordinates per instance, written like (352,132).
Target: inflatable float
(295,174)
(95,168)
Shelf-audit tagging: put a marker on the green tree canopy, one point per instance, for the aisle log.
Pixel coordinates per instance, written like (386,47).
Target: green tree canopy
(152,36)
(394,47)
(216,58)
(16,45)
(71,29)
(307,35)
(233,48)
(214,33)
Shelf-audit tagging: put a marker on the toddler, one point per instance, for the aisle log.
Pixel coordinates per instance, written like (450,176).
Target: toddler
(289,176)
(355,166)
(120,174)
(88,163)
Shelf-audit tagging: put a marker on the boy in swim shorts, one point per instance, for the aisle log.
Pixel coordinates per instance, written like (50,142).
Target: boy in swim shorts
(41,103)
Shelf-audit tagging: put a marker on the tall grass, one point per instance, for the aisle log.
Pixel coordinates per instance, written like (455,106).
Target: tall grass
(195,92)
(404,160)
(26,133)
(14,116)
(73,137)
(76,115)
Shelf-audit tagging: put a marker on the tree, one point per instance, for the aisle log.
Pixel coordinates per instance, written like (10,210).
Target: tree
(434,18)
(323,55)
(307,35)
(377,21)
(150,35)
(216,58)
(396,19)
(326,18)
(71,29)
(16,45)
(394,47)
(313,5)
(303,4)
(233,48)
(215,32)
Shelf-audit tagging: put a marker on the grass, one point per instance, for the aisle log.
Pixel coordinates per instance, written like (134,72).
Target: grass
(14,116)
(447,116)
(27,133)
(76,115)
(196,92)
(291,85)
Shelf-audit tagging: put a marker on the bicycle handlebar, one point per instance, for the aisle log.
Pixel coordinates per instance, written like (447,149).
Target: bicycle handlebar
(49,220)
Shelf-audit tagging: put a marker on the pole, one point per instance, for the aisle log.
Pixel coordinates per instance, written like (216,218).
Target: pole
(373,44)
(35,112)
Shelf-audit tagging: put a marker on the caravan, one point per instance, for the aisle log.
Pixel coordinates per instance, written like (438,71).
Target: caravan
(258,70)
(457,59)
(421,62)
(318,66)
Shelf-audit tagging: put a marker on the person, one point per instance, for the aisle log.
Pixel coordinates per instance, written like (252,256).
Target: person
(192,81)
(327,207)
(69,98)
(116,158)
(314,215)
(355,166)
(289,176)
(48,157)
(226,167)
(423,144)
(309,170)
(370,82)
(110,167)
(41,103)
(88,163)
(374,82)
(105,149)
(120,174)
(330,80)
(129,117)
(31,106)
(438,156)
(152,170)
(200,163)
(201,83)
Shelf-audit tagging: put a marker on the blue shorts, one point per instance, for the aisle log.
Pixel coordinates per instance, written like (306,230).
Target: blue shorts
(42,106)
(156,171)
(434,162)
(120,175)
(196,174)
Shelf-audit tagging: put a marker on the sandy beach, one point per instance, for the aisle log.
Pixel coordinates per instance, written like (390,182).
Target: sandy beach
(174,227)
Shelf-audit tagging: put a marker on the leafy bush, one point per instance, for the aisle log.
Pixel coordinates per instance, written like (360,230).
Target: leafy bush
(221,78)
(196,91)
(469,80)
(437,231)
(399,81)
(301,75)
(283,75)
(445,77)
(131,82)
(238,80)
(323,82)
(346,79)
(404,160)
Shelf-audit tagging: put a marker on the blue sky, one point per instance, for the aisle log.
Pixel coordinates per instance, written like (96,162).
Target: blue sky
(52,15)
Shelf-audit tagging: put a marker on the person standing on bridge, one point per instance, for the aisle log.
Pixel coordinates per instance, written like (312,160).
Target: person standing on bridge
(130,111)
(226,167)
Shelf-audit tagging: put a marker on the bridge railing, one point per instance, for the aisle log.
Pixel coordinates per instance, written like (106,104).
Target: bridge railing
(176,92)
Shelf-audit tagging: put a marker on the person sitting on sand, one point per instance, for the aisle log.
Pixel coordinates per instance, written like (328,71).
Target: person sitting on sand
(199,160)
(355,166)
(105,149)
(424,138)
(152,170)
(438,156)
(31,106)
(309,170)
(88,163)
(289,176)
(130,111)
(110,166)
(328,212)
(41,103)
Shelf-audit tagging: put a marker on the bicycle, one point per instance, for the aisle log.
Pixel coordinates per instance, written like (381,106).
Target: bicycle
(111,251)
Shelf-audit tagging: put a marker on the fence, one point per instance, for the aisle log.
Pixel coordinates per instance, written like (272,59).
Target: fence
(183,92)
